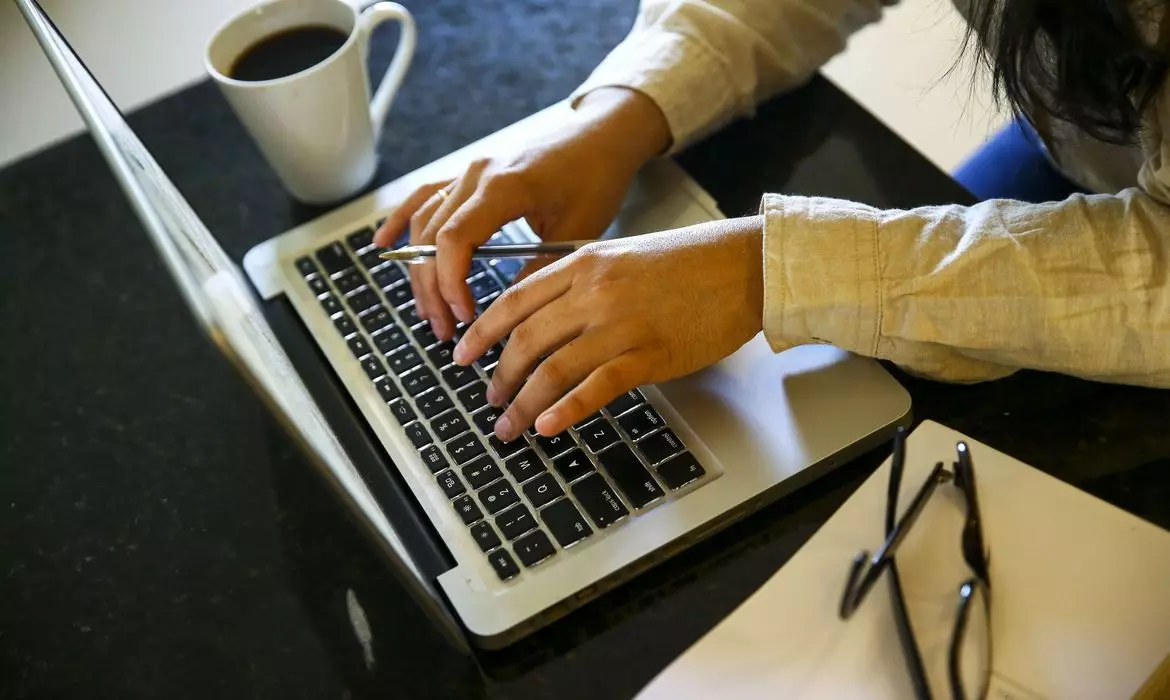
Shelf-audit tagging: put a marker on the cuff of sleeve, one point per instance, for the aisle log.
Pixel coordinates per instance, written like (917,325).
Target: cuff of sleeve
(678,73)
(821,273)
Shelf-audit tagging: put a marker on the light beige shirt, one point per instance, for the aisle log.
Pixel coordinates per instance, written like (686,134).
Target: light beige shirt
(955,293)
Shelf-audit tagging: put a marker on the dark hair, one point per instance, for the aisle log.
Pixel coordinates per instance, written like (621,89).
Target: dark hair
(1084,62)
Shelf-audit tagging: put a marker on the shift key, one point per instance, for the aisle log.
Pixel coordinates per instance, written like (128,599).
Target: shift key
(599,501)
(631,477)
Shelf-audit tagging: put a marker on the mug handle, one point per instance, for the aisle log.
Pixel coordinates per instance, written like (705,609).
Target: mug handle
(370,18)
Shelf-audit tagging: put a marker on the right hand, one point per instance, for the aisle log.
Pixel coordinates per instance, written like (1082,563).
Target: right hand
(568,185)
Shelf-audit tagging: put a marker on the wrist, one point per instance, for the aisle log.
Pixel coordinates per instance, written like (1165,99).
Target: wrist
(627,125)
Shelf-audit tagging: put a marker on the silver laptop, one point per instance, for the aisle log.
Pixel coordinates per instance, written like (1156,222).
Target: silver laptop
(494,540)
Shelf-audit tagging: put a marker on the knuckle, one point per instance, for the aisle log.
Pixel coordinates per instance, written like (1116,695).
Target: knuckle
(552,372)
(520,341)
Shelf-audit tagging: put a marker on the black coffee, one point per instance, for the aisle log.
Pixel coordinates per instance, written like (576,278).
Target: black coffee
(292,51)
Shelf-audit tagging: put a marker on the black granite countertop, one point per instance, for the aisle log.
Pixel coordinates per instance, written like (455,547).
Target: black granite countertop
(160,536)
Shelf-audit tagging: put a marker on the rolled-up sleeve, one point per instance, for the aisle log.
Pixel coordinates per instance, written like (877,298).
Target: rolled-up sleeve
(706,62)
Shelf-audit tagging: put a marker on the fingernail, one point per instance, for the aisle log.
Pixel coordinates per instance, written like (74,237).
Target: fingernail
(545,422)
(465,314)
(504,429)
(492,396)
(460,354)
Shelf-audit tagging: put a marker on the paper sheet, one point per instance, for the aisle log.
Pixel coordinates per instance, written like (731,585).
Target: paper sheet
(1080,596)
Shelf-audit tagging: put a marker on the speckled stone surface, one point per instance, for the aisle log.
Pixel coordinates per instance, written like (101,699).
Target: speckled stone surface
(159,536)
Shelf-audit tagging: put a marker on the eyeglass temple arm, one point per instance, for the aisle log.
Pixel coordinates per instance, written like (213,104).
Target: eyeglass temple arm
(862,573)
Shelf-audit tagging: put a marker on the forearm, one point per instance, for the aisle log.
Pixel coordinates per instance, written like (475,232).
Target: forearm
(974,293)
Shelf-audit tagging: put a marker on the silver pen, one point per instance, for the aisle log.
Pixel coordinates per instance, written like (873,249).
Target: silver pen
(419,253)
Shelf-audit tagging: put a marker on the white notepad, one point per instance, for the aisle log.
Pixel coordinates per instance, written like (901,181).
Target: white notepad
(1080,607)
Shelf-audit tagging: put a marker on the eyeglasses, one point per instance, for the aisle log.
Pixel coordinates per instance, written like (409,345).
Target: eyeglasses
(969,655)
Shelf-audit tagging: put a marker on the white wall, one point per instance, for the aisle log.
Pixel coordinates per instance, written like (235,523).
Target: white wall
(143,49)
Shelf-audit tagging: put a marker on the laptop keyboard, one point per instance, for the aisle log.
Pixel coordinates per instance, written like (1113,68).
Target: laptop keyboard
(522,501)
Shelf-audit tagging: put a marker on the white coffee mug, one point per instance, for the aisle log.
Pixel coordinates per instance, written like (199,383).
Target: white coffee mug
(318,128)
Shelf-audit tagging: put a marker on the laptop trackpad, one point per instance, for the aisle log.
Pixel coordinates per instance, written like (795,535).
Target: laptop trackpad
(780,413)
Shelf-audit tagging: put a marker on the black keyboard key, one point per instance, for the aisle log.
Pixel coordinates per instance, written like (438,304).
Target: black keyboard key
(556,445)
(473,396)
(498,496)
(533,549)
(660,446)
(524,466)
(373,367)
(485,420)
(484,286)
(425,335)
(403,360)
(418,434)
(481,472)
(599,435)
(515,522)
(507,268)
(640,422)
(632,479)
(587,421)
(491,357)
(363,300)
(504,565)
(371,260)
(466,508)
(450,483)
(441,354)
(402,411)
(565,522)
(487,301)
(599,501)
(390,339)
(485,536)
(435,402)
(397,296)
(419,381)
(625,402)
(388,276)
(477,267)
(573,465)
(388,389)
(360,240)
(458,377)
(465,448)
(358,346)
(680,471)
(334,258)
(377,319)
(448,425)
(331,305)
(344,326)
(507,449)
(349,281)
(306,266)
(543,490)
(434,459)
(318,285)
(410,316)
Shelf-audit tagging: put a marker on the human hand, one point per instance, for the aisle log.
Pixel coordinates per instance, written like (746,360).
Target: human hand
(568,185)
(618,314)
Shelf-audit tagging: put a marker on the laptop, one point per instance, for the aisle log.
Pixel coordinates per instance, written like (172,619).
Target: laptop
(493,540)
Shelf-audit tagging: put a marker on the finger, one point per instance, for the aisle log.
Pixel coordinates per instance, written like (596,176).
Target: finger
(398,218)
(453,258)
(496,202)
(555,376)
(545,331)
(418,271)
(602,386)
(533,266)
(517,303)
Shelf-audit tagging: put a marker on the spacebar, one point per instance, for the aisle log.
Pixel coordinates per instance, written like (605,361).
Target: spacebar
(631,477)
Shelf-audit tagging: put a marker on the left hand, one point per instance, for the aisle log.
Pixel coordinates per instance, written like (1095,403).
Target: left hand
(618,314)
